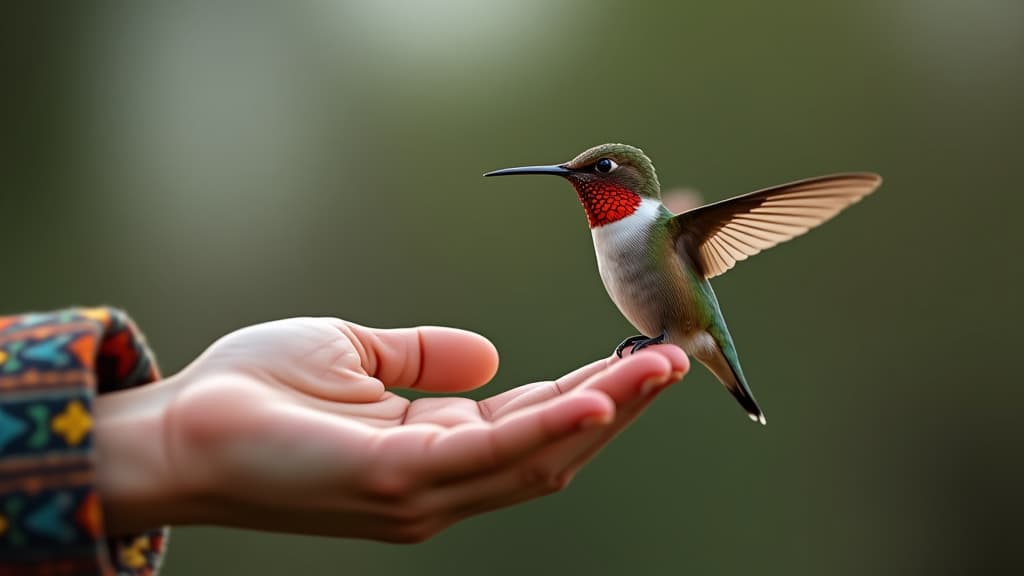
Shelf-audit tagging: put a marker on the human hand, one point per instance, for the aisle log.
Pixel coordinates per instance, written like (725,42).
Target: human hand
(290,426)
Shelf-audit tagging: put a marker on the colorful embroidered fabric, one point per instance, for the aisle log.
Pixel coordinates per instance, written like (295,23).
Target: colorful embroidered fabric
(51,368)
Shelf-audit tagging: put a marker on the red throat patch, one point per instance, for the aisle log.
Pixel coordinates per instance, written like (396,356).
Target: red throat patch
(605,203)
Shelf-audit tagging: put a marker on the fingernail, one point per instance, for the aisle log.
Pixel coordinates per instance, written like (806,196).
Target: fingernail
(595,420)
(653,385)
(677,375)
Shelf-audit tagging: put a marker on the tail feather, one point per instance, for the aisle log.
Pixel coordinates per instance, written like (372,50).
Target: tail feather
(717,353)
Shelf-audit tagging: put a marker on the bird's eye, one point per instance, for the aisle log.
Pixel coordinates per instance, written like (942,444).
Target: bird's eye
(605,166)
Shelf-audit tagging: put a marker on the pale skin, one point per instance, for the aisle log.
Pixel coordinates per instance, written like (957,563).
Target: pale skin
(291,426)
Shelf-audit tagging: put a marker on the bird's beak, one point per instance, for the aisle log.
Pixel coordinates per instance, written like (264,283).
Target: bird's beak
(559,170)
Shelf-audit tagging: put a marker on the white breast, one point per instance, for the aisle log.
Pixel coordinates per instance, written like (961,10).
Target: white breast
(621,259)
(626,234)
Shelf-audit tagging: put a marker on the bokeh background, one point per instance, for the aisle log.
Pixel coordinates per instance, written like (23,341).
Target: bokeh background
(206,165)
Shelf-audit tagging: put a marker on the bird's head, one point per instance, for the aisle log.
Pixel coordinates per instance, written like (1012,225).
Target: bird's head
(610,179)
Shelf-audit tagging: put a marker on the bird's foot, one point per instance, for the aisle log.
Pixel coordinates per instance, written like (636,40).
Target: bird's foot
(627,343)
(647,342)
(638,342)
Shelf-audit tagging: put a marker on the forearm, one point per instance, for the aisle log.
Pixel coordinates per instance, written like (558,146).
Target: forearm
(136,485)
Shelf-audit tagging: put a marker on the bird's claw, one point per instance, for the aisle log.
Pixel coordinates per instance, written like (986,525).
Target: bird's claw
(632,340)
(648,342)
(639,342)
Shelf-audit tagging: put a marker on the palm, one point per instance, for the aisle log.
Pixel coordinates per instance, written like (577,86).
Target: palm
(309,410)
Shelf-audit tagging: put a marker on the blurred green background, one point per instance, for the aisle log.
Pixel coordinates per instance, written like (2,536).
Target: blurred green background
(206,165)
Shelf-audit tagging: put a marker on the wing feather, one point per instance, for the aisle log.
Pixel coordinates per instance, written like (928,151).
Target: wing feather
(718,235)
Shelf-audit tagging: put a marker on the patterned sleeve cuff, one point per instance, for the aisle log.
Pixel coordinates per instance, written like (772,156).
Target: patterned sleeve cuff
(51,368)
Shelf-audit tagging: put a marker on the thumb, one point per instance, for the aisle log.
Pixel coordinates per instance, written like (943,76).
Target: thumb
(428,358)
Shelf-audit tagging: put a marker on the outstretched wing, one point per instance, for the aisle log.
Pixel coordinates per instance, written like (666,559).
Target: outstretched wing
(718,235)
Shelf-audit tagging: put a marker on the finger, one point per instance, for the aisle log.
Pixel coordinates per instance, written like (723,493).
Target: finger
(548,470)
(544,472)
(540,391)
(551,467)
(476,449)
(526,395)
(626,412)
(500,489)
(630,403)
(640,373)
(429,358)
(675,355)
(581,374)
(576,456)
(657,364)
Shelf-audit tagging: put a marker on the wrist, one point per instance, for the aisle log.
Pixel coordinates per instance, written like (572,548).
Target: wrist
(137,488)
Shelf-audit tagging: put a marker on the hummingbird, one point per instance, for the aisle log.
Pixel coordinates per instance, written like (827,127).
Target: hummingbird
(656,265)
